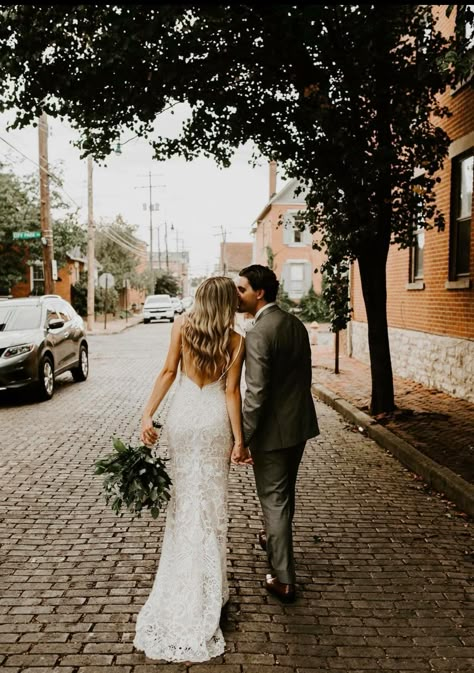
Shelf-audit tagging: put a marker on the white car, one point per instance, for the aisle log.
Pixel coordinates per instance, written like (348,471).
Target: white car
(177,305)
(158,306)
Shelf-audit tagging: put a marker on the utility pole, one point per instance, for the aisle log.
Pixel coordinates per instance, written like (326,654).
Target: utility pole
(45,213)
(166,247)
(151,224)
(224,264)
(151,208)
(159,246)
(90,248)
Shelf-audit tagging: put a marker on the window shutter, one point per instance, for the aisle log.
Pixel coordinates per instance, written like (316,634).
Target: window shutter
(285,277)
(308,276)
(288,236)
(307,237)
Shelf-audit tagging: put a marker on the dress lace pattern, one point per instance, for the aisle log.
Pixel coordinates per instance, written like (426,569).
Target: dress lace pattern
(180,619)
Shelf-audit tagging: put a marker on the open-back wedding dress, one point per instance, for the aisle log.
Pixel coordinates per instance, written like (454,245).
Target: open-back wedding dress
(180,619)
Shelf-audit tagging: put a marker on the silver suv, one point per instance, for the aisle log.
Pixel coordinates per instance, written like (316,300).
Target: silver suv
(40,338)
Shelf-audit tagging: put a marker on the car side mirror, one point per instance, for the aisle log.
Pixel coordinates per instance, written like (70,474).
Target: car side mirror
(55,323)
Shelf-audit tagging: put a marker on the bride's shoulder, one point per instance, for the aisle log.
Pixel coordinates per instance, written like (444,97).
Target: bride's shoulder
(236,339)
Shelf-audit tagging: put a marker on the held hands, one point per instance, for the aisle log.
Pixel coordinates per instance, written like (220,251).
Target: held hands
(240,455)
(148,434)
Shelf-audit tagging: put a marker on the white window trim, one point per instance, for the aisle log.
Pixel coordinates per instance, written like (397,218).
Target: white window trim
(289,219)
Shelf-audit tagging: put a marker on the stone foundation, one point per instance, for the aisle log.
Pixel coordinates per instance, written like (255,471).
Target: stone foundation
(440,362)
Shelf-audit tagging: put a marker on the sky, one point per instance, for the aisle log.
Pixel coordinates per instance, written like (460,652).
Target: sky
(202,201)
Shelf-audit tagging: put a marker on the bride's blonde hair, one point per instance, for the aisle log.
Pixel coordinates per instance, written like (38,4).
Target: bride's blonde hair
(208,327)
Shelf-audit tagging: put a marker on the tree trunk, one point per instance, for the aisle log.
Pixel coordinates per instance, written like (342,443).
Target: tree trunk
(372,265)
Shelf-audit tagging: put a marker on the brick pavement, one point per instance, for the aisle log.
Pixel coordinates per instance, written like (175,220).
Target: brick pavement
(385,571)
(435,423)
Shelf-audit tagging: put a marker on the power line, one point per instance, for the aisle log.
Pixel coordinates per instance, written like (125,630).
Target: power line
(42,168)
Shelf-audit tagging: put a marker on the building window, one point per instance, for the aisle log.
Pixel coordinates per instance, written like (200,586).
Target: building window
(461,215)
(416,256)
(292,232)
(37,278)
(418,246)
(297,278)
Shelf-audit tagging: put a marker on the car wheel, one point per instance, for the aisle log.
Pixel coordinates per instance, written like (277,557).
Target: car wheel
(146,321)
(80,372)
(46,378)
(171,319)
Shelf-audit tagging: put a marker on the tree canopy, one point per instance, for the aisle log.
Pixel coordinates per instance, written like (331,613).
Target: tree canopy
(344,97)
(20,211)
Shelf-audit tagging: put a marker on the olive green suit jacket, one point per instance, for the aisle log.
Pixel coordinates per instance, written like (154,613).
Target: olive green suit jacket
(278,408)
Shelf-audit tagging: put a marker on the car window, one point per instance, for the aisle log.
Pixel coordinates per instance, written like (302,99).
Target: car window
(51,314)
(19,317)
(65,311)
(163,298)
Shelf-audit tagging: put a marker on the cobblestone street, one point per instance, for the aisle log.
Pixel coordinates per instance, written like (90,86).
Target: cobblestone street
(385,568)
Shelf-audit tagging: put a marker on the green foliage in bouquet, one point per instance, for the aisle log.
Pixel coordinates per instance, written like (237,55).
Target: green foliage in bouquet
(134,478)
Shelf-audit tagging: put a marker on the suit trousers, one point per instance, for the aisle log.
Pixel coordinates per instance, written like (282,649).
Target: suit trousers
(275,477)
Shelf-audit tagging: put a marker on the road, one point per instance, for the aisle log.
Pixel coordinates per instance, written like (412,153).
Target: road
(385,575)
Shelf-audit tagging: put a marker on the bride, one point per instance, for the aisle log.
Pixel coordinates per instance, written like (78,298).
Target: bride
(180,619)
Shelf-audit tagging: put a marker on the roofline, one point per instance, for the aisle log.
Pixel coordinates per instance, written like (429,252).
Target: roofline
(271,201)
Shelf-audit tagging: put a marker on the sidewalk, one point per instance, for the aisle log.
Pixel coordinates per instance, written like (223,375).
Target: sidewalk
(115,326)
(430,432)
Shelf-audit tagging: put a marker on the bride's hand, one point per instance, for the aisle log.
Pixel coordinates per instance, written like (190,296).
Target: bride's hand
(240,455)
(148,434)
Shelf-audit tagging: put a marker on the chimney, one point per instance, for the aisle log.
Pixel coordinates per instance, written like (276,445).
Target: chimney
(273,178)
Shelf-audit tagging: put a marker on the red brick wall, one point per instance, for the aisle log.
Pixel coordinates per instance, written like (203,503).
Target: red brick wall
(434,309)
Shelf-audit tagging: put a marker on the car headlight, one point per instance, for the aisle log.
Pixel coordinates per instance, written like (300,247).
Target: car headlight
(13,351)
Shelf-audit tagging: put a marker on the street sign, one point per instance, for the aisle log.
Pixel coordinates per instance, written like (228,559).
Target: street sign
(106,280)
(23,235)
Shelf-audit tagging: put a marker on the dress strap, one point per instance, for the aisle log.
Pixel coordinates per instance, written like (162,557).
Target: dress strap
(234,359)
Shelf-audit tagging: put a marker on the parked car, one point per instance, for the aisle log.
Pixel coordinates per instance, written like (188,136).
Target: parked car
(40,338)
(158,306)
(187,302)
(177,305)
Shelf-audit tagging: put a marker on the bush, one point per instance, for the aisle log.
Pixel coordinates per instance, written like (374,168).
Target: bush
(79,298)
(284,300)
(313,308)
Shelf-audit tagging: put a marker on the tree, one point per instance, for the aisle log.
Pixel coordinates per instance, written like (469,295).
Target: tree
(166,283)
(17,213)
(344,97)
(20,211)
(313,307)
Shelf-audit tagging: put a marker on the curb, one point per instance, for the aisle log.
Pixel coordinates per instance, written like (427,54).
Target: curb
(122,328)
(440,478)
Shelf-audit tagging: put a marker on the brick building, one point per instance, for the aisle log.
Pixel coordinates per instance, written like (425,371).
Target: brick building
(233,257)
(430,295)
(67,276)
(283,246)
(175,262)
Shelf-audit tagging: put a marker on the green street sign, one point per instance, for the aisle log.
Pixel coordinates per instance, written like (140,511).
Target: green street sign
(26,234)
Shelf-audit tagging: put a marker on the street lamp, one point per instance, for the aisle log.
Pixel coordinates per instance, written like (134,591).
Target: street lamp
(118,146)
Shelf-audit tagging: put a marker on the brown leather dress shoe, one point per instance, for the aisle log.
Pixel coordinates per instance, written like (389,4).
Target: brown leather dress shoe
(262,539)
(285,592)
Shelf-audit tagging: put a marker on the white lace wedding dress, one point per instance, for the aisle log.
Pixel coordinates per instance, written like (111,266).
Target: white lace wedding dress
(180,619)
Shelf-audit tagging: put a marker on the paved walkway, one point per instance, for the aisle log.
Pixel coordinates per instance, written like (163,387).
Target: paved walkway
(385,573)
(435,424)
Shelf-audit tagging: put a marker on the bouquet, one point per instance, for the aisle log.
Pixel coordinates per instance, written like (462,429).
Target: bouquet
(134,478)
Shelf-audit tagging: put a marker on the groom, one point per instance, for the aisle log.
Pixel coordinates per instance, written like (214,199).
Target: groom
(278,416)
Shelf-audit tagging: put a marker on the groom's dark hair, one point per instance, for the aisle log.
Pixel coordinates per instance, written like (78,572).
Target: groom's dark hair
(262,278)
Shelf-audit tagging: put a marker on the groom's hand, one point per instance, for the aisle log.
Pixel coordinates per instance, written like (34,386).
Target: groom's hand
(241,455)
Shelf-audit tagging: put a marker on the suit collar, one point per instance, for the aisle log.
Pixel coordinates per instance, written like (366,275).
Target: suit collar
(270,309)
